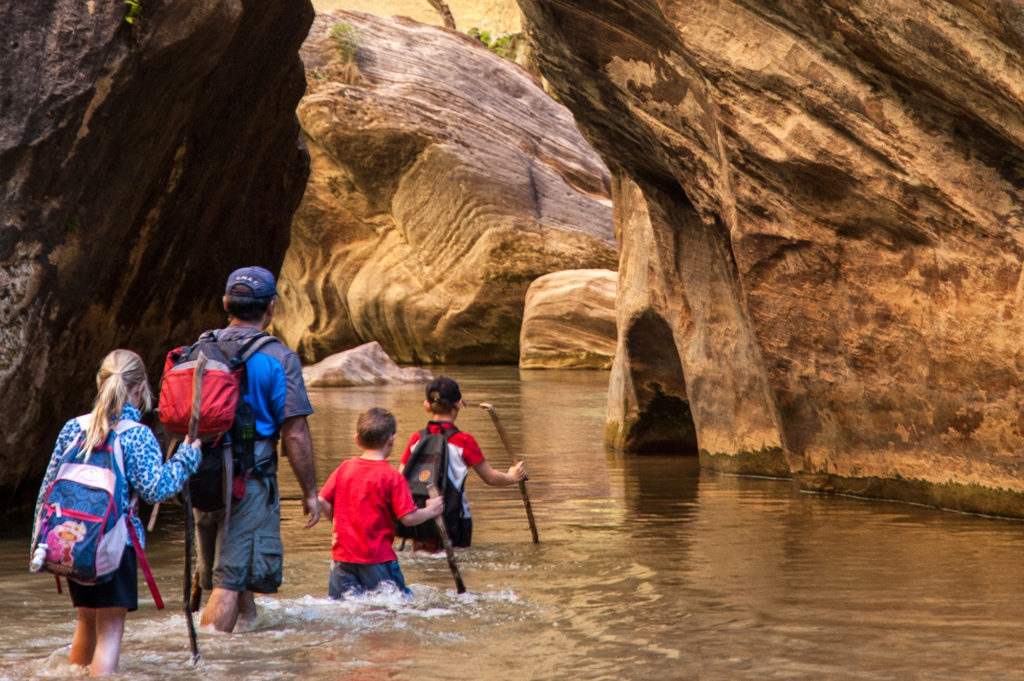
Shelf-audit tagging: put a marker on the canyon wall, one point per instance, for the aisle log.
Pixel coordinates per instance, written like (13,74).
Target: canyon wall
(443,181)
(819,207)
(139,163)
(495,16)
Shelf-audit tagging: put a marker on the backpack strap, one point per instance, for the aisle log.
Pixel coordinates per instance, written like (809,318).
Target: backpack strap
(247,347)
(143,563)
(253,344)
(119,428)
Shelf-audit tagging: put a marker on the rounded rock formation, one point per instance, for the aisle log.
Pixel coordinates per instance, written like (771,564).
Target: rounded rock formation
(443,181)
(569,321)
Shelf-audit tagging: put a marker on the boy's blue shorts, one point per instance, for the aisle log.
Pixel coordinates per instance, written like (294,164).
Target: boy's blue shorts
(355,578)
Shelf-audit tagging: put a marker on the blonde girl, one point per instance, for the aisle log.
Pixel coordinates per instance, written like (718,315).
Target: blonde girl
(123,393)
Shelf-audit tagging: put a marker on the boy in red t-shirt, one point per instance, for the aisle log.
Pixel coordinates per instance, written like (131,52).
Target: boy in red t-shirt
(364,495)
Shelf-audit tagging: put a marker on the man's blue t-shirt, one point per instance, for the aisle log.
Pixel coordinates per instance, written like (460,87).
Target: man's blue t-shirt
(276,389)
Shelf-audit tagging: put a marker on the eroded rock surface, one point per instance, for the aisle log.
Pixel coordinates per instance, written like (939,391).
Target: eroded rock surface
(366,364)
(139,164)
(569,321)
(443,182)
(819,208)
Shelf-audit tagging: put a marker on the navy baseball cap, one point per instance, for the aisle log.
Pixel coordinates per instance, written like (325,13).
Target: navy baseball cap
(259,280)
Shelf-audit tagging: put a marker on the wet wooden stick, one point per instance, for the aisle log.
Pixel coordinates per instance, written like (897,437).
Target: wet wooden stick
(522,483)
(449,550)
(190,529)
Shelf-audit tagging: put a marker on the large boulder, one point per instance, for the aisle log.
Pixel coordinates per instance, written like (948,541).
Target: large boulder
(819,209)
(443,182)
(569,321)
(366,364)
(139,163)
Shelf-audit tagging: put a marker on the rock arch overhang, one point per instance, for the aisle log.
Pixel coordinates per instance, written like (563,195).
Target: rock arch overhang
(849,311)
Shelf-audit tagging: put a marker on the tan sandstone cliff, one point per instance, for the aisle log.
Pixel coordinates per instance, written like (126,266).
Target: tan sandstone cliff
(495,16)
(819,207)
(443,181)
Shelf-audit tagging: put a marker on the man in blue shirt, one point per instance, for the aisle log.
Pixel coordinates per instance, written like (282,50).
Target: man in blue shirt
(249,558)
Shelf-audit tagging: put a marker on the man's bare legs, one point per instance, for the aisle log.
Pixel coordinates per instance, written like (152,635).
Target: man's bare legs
(221,610)
(226,608)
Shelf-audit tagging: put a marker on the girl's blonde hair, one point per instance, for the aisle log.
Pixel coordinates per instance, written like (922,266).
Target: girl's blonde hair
(120,374)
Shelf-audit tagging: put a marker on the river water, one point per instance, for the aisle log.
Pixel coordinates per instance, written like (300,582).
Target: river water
(647,569)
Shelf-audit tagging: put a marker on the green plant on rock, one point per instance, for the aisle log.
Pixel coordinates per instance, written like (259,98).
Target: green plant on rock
(347,38)
(503,45)
(133,11)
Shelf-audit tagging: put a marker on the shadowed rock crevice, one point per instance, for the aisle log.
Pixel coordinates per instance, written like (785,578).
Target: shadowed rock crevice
(663,423)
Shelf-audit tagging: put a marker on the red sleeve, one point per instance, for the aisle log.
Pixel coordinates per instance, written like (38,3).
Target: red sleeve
(328,489)
(401,498)
(471,453)
(408,448)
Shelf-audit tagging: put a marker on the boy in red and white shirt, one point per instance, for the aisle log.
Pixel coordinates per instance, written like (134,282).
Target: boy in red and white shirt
(364,495)
(443,402)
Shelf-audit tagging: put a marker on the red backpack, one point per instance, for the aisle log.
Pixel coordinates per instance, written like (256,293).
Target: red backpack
(222,411)
(221,382)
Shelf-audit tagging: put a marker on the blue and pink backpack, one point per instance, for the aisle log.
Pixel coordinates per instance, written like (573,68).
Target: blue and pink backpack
(81,531)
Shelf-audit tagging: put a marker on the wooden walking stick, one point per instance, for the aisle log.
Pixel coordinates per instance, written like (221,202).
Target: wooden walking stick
(156,507)
(190,529)
(446,541)
(522,483)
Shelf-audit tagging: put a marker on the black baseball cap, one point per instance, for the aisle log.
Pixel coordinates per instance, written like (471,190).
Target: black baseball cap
(447,390)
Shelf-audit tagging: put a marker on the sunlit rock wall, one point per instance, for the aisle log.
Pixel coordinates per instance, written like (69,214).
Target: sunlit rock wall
(495,16)
(139,164)
(819,207)
(443,182)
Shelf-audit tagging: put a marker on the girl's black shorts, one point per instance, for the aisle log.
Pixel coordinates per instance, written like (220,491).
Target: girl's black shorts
(122,591)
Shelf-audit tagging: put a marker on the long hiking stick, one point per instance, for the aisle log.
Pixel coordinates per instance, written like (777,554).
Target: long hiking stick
(446,541)
(522,483)
(190,529)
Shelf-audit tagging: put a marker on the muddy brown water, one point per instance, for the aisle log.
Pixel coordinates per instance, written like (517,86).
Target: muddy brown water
(647,569)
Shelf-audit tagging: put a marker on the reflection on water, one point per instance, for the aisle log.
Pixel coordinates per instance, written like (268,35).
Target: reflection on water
(647,569)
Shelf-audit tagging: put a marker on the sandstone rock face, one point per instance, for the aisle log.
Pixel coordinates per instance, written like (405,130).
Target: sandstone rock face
(569,321)
(496,16)
(139,164)
(819,209)
(366,364)
(443,182)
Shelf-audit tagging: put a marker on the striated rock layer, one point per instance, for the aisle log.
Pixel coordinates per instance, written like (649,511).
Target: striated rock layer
(139,164)
(819,208)
(569,321)
(443,182)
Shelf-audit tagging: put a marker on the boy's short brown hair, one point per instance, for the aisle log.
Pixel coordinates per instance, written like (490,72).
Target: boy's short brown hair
(375,427)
